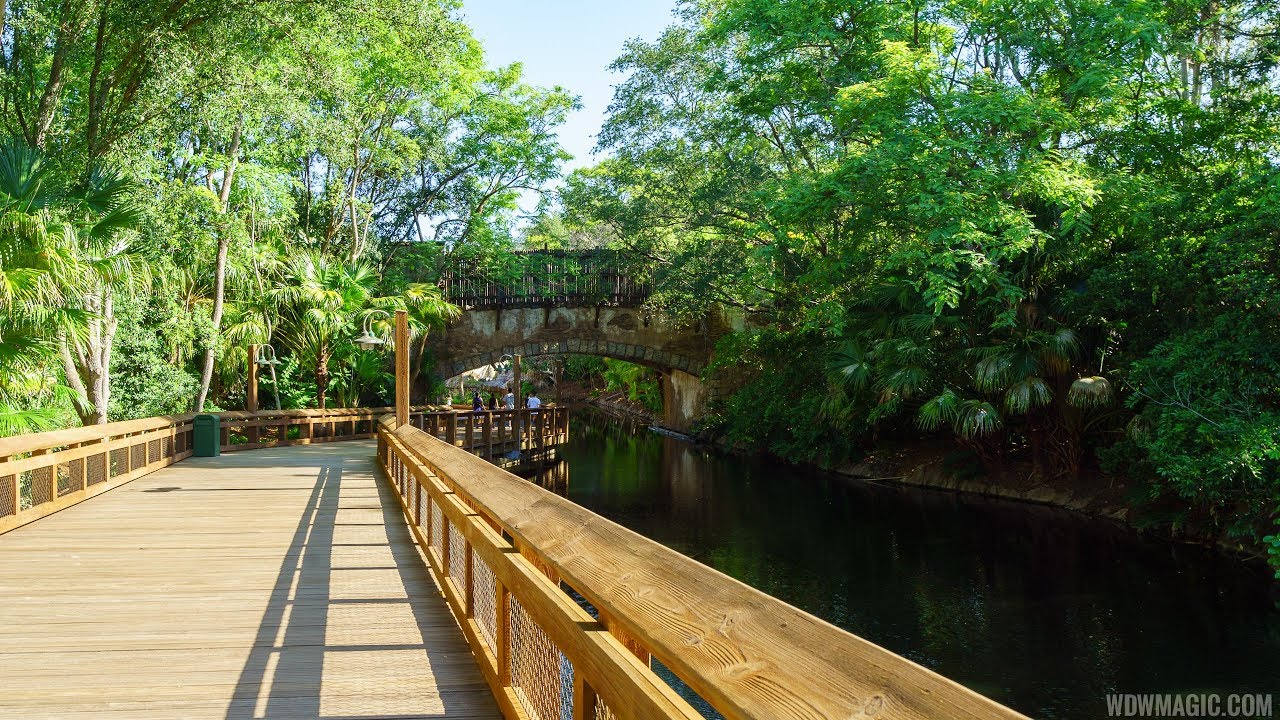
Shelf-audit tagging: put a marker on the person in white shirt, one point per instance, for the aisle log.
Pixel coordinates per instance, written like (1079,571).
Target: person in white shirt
(533,402)
(509,400)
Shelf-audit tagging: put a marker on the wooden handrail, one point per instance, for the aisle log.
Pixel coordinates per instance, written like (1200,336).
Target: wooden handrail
(33,442)
(43,473)
(749,655)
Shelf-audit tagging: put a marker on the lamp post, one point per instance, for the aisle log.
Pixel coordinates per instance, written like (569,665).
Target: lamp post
(369,341)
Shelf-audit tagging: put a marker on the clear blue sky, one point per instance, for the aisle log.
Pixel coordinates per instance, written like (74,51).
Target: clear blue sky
(569,43)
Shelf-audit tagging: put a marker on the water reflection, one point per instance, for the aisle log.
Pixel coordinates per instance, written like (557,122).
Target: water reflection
(1038,608)
(553,476)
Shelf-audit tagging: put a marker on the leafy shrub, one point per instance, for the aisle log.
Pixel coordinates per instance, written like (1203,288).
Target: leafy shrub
(1209,423)
(779,405)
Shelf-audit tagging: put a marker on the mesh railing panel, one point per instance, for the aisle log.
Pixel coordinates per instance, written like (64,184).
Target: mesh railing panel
(119,461)
(166,446)
(457,557)
(484,594)
(603,712)
(69,474)
(541,676)
(97,468)
(153,451)
(437,520)
(38,482)
(6,495)
(138,455)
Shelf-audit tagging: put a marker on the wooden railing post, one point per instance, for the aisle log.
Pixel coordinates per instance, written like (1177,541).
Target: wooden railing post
(444,545)
(488,436)
(82,482)
(584,699)
(402,368)
(451,428)
(468,582)
(251,394)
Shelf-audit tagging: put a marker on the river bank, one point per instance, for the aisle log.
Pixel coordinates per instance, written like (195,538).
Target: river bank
(922,464)
(926,463)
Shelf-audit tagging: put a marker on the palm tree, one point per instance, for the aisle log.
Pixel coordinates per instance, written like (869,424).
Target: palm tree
(102,218)
(61,257)
(981,382)
(322,302)
(321,299)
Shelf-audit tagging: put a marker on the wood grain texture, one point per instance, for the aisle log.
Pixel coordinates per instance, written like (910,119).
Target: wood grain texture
(587,645)
(749,654)
(277,583)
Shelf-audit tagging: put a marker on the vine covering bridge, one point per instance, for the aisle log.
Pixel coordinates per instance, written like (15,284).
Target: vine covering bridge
(393,574)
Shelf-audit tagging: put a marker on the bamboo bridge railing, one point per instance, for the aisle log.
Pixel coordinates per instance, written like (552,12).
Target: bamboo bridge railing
(42,473)
(567,612)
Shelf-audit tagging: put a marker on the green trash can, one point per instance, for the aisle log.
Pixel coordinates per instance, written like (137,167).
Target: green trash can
(206,436)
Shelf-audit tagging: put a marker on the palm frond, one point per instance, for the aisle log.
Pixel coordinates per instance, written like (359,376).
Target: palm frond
(22,173)
(850,366)
(1027,393)
(977,418)
(19,421)
(942,409)
(1090,392)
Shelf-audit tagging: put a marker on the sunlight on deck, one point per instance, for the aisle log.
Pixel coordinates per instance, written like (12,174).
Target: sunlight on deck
(275,583)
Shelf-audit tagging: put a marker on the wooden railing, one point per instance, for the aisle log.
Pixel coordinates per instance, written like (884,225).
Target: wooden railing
(565,612)
(549,277)
(42,473)
(491,433)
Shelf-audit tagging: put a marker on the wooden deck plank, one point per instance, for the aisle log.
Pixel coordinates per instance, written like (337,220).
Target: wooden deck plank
(273,583)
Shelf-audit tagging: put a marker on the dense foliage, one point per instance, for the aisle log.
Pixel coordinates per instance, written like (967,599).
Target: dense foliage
(636,383)
(1041,227)
(181,179)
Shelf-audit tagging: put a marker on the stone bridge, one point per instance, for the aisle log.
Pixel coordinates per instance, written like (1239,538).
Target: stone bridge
(680,351)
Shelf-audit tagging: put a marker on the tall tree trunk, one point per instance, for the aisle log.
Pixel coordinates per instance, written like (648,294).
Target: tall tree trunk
(322,378)
(70,27)
(220,267)
(219,292)
(88,369)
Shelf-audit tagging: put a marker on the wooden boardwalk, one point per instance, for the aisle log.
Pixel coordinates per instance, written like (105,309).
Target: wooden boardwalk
(276,583)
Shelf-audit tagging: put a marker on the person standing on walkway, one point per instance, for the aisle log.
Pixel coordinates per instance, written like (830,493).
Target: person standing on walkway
(509,400)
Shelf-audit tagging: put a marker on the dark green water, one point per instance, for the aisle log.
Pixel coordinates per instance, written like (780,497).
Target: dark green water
(1040,609)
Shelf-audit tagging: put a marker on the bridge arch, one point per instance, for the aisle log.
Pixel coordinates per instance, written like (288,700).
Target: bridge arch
(680,350)
(648,356)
